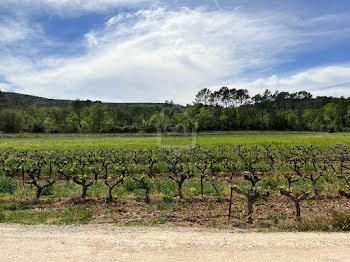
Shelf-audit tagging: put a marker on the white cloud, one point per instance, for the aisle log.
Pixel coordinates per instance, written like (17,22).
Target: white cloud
(68,7)
(14,30)
(159,54)
(322,81)
(4,87)
(153,55)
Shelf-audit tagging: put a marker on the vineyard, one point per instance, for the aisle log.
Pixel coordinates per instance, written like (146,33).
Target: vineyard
(211,186)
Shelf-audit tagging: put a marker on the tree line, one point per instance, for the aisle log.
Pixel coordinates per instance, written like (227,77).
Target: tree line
(221,110)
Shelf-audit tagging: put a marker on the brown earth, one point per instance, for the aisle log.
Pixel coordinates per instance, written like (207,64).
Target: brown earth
(196,211)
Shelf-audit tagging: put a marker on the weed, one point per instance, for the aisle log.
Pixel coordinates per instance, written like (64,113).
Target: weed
(276,218)
(162,220)
(168,199)
(168,206)
(75,215)
(14,206)
(7,185)
(29,217)
(337,222)
(211,206)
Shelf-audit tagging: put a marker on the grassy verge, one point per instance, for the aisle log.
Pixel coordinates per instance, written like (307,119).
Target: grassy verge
(337,222)
(93,142)
(67,216)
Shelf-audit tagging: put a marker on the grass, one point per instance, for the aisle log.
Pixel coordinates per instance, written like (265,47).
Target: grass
(91,142)
(7,185)
(13,213)
(25,214)
(75,215)
(168,206)
(339,221)
(13,206)
(27,217)
(141,223)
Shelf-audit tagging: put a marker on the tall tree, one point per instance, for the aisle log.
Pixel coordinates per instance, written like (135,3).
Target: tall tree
(11,120)
(77,106)
(203,96)
(97,116)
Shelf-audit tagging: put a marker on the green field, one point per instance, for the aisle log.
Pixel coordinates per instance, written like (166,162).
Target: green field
(91,142)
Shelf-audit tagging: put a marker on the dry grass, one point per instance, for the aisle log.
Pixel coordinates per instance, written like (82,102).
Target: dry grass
(337,221)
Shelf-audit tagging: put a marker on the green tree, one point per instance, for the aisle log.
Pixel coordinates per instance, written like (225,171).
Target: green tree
(229,119)
(207,119)
(78,106)
(157,122)
(97,116)
(3,100)
(331,116)
(203,96)
(73,123)
(11,120)
(185,121)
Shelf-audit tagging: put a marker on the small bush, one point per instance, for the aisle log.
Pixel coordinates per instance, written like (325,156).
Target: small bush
(337,222)
(131,185)
(29,217)
(276,218)
(211,206)
(168,199)
(48,191)
(14,206)
(2,217)
(271,183)
(7,185)
(165,186)
(75,215)
(98,189)
(341,221)
(168,206)
(162,220)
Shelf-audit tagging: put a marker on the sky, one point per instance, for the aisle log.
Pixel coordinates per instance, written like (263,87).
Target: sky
(157,50)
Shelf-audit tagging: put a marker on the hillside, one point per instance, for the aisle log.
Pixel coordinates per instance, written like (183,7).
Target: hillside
(22,100)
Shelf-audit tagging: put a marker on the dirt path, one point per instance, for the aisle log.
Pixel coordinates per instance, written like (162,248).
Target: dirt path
(108,243)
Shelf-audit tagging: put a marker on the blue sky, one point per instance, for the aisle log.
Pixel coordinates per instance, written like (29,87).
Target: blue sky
(157,50)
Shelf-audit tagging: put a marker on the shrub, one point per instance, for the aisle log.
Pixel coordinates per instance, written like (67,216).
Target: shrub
(2,217)
(166,187)
(11,121)
(48,191)
(7,185)
(337,222)
(168,199)
(341,221)
(131,185)
(75,215)
(14,206)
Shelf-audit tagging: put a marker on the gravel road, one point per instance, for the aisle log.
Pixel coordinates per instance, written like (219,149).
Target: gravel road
(109,243)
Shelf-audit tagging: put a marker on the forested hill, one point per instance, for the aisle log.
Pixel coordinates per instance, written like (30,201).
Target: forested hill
(21,101)
(222,110)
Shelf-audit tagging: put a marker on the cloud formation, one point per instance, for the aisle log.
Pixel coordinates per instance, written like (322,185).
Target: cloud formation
(153,55)
(322,81)
(15,30)
(69,7)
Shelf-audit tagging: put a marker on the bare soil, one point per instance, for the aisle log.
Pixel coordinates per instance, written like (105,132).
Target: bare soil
(198,212)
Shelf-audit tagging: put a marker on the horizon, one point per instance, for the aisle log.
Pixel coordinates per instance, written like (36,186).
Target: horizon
(142,102)
(135,51)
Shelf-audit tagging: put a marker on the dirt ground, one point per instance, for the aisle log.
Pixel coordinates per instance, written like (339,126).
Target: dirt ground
(208,213)
(111,243)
